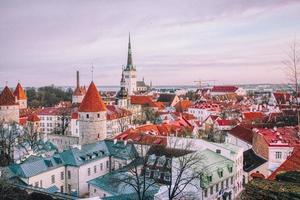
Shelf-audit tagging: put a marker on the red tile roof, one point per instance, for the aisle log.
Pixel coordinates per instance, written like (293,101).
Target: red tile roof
(224,89)
(79,91)
(33,118)
(92,101)
(145,101)
(281,137)
(20,93)
(74,115)
(7,98)
(114,112)
(243,133)
(282,97)
(226,122)
(292,163)
(257,175)
(153,134)
(253,116)
(54,111)
(183,105)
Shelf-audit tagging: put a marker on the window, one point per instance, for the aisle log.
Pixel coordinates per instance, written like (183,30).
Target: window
(69,188)
(211,190)
(227,182)
(104,195)
(53,179)
(205,193)
(231,180)
(220,172)
(222,185)
(62,175)
(101,166)
(156,174)
(218,151)
(41,183)
(89,171)
(167,176)
(95,169)
(230,169)
(69,174)
(36,184)
(62,189)
(98,115)
(87,116)
(120,165)
(278,155)
(217,187)
(209,178)
(95,190)
(107,164)
(148,173)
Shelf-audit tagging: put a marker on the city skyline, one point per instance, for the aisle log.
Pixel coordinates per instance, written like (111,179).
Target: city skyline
(173,43)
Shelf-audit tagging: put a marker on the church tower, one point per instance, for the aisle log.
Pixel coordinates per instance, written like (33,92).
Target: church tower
(122,96)
(130,72)
(92,117)
(9,107)
(20,94)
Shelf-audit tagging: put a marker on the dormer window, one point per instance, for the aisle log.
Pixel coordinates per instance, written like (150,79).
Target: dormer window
(209,178)
(220,173)
(167,176)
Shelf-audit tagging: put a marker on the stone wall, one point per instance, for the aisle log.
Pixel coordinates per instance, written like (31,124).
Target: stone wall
(9,113)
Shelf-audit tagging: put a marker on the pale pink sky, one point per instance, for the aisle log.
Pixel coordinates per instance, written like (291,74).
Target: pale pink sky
(174,42)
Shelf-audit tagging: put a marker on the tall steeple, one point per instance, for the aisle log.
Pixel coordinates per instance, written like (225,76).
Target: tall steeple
(129,65)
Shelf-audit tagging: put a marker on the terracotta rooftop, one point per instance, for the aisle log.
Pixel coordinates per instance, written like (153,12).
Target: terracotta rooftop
(283,136)
(242,133)
(92,101)
(33,118)
(224,89)
(20,93)
(7,98)
(282,97)
(183,105)
(292,163)
(252,116)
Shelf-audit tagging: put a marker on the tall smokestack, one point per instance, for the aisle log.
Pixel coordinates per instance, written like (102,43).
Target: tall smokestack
(77,78)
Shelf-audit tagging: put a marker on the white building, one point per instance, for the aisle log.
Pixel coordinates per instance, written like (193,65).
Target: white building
(203,110)
(130,73)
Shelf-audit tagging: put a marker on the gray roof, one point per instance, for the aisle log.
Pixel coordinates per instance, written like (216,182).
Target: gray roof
(75,157)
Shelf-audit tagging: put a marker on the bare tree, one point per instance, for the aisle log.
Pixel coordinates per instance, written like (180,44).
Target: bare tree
(123,123)
(292,65)
(185,171)
(135,175)
(63,123)
(9,136)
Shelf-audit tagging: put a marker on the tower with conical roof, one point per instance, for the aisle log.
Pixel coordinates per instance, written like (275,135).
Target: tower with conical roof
(130,72)
(20,94)
(92,117)
(122,96)
(9,108)
(79,91)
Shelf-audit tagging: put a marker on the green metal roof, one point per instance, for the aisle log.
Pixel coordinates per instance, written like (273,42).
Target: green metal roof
(112,183)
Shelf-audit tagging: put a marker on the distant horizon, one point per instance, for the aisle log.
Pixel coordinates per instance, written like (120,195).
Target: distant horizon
(173,42)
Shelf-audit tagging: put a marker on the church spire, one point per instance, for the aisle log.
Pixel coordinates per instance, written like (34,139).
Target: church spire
(129,65)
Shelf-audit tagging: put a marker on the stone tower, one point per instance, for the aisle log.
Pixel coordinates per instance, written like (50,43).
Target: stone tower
(9,108)
(20,94)
(122,99)
(92,117)
(79,91)
(130,72)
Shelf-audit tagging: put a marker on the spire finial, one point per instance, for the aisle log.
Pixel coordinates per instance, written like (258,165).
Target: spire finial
(92,70)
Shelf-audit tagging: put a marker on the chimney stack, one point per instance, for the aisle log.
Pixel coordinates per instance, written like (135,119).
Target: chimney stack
(77,78)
